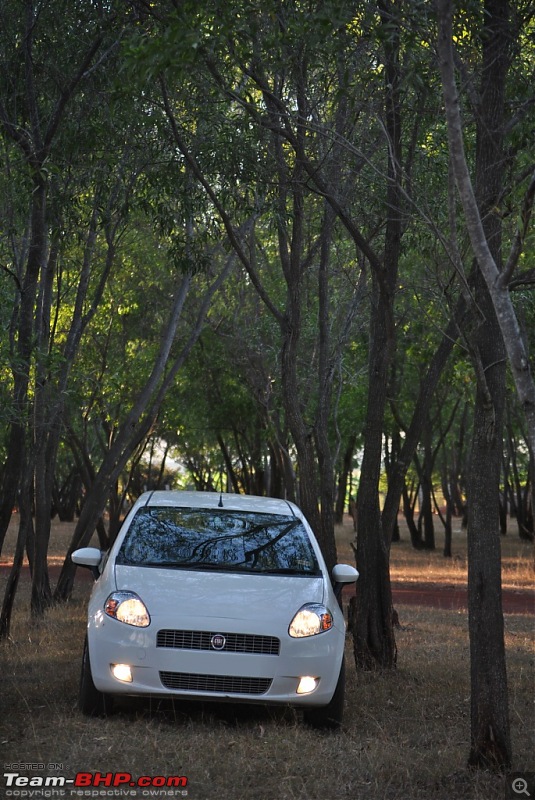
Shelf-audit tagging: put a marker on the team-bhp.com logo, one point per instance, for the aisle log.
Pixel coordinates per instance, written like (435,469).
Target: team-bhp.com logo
(84,784)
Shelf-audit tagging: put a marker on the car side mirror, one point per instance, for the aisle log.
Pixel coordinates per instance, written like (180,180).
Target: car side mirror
(341,575)
(90,557)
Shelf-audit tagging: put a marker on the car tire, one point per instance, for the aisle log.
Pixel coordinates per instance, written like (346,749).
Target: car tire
(329,717)
(91,702)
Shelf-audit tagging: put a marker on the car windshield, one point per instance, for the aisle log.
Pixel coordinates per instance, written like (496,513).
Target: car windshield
(193,538)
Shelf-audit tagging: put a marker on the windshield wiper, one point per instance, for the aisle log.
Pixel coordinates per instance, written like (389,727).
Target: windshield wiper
(290,571)
(196,566)
(200,567)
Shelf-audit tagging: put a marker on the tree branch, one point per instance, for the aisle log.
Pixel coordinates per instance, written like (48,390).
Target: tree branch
(521,232)
(231,233)
(500,297)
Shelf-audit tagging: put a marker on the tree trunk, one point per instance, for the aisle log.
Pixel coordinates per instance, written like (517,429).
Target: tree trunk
(374,642)
(449,509)
(396,481)
(496,280)
(325,383)
(375,645)
(490,742)
(308,475)
(46,433)
(30,449)
(425,473)
(490,737)
(25,525)
(343,480)
(408,513)
(139,421)
(22,357)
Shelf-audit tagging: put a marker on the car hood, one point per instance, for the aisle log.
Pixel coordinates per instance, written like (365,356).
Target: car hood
(217,595)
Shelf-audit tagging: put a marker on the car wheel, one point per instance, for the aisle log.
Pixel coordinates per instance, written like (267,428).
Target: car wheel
(91,702)
(329,717)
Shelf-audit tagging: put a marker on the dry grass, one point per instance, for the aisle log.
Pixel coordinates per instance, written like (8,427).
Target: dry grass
(518,564)
(405,734)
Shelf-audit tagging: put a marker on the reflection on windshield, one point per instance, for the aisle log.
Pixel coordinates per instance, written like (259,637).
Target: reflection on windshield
(218,539)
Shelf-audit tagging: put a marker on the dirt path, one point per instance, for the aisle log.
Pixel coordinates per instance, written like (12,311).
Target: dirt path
(514,601)
(451,597)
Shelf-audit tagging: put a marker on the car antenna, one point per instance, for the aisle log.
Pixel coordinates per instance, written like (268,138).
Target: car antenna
(220,504)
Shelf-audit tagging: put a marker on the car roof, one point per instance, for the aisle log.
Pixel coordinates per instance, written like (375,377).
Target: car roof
(225,500)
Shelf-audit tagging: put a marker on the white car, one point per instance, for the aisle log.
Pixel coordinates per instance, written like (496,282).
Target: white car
(219,597)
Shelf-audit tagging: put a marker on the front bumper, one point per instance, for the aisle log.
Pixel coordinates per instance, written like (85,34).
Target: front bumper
(211,674)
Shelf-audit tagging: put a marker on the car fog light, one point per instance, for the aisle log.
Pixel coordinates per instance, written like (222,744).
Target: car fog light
(307,684)
(122,672)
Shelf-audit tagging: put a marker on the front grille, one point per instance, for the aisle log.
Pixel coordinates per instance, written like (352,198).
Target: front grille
(228,684)
(234,642)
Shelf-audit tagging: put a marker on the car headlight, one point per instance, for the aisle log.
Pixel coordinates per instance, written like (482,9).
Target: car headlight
(127,607)
(310,620)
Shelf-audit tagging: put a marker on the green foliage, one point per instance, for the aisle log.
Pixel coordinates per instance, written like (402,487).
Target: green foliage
(256,90)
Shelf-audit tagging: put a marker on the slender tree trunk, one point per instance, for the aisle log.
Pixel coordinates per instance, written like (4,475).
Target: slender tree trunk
(343,480)
(308,475)
(139,421)
(490,742)
(374,641)
(428,386)
(231,472)
(425,473)
(490,737)
(408,513)
(22,357)
(25,526)
(445,481)
(45,439)
(496,280)
(12,471)
(325,383)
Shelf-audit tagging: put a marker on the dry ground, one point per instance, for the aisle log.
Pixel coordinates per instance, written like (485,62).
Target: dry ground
(405,734)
